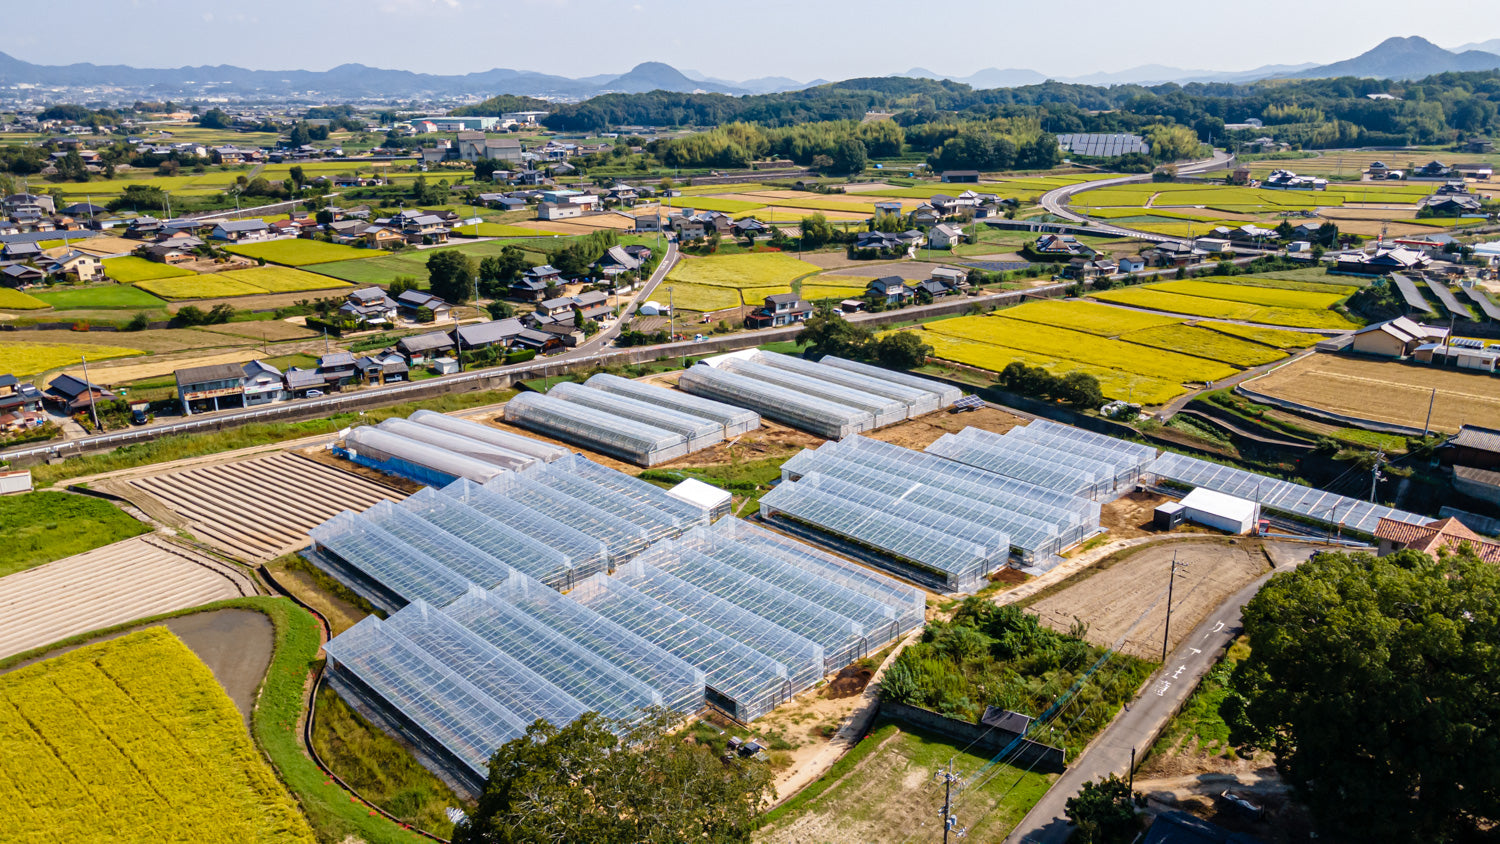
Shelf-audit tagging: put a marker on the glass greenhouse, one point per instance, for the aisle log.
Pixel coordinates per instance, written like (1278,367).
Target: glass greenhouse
(1028,461)
(586,554)
(470,534)
(637,442)
(381,568)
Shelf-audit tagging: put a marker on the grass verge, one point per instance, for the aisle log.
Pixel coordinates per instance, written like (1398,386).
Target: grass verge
(40,527)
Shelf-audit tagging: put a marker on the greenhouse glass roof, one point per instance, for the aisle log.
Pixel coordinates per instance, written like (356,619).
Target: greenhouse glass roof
(470,543)
(815,415)
(387,561)
(604,432)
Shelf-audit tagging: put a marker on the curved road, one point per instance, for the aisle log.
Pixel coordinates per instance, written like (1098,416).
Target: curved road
(1056,201)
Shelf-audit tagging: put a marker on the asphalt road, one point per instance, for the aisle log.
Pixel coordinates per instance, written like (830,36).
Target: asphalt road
(1056,201)
(1137,726)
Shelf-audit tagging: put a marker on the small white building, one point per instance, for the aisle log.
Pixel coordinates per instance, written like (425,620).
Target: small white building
(1220,512)
(711,499)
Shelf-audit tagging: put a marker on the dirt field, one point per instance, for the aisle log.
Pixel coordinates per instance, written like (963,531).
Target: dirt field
(1346,385)
(164,340)
(272,330)
(912,270)
(923,431)
(1111,596)
(152,367)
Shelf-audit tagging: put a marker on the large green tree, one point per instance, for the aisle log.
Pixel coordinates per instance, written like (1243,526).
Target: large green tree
(901,350)
(584,783)
(450,275)
(1103,812)
(1376,683)
(826,332)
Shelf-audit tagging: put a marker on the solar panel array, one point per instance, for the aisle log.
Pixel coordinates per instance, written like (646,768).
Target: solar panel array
(1103,145)
(1279,495)
(1051,455)
(1411,295)
(1484,301)
(480,643)
(934,521)
(1450,302)
(831,398)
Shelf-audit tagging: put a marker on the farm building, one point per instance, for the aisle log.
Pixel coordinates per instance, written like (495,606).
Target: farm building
(1303,502)
(1397,337)
(1220,511)
(932,520)
(732,616)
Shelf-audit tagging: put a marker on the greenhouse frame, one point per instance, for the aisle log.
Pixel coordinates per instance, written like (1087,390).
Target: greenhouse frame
(379,567)
(1127,462)
(741,680)
(823,578)
(918,401)
(451,522)
(1143,452)
(379,667)
(659,524)
(624,539)
(885,411)
(386,452)
(699,432)
(1030,462)
(635,442)
(802,657)
(1282,496)
(642,493)
(820,417)
(947,393)
(458,444)
(736,421)
(544,451)
(586,554)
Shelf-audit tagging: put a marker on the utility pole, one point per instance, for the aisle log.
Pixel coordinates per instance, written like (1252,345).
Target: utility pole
(671,316)
(1426,426)
(1375,473)
(458,337)
(1166,635)
(89,385)
(948,818)
(1132,770)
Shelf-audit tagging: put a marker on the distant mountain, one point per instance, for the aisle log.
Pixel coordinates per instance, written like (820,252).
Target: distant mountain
(1404,58)
(656,76)
(1490,46)
(1142,75)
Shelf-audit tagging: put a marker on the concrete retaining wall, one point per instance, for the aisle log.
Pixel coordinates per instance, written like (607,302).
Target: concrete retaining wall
(1042,757)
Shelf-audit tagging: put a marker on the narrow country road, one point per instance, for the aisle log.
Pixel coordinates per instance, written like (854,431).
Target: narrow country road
(1056,201)
(1137,727)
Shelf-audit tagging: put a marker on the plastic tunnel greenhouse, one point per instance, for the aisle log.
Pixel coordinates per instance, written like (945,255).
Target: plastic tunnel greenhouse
(734,420)
(387,452)
(1030,462)
(918,400)
(624,539)
(885,411)
(381,568)
(947,393)
(586,554)
(1127,462)
(821,417)
(543,451)
(458,444)
(700,433)
(636,442)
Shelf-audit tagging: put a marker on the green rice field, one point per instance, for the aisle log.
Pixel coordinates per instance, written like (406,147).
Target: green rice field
(131,269)
(300,252)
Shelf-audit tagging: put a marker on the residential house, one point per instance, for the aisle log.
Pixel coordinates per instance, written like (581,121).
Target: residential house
(382,368)
(1059,246)
(778,310)
(1479,146)
(1441,536)
(553,307)
(1396,338)
(926,215)
(961,176)
(1395,260)
(299,382)
(687,228)
(410,302)
(558,211)
(242,230)
(381,237)
(953,279)
(617,261)
(1083,269)
(1472,446)
(1248,235)
(537,340)
(500,332)
(1287,180)
(750,227)
(72,394)
(17,275)
(212,387)
(27,201)
(892,288)
(75,265)
(263,384)
(346,231)
(425,228)
(165,254)
(424,347)
(1432,170)
(1451,205)
(929,288)
(17,396)
(369,305)
(21,251)
(337,369)
(568,333)
(591,305)
(647,222)
(1132,264)
(888,207)
(880,241)
(945,236)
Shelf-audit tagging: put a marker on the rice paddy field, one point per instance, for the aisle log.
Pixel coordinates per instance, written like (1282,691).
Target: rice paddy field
(751,270)
(300,252)
(1158,297)
(15,300)
(703,297)
(1115,383)
(253,281)
(1206,343)
(132,740)
(26,359)
(131,269)
(827,286)
(1088,317)
(1271,297)
(108,297)
(1277,337)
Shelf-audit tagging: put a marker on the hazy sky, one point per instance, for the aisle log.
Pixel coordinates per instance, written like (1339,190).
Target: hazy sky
(803,39)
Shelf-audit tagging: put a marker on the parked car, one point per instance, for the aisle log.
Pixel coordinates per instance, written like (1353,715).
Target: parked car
(139,417)
(314,394)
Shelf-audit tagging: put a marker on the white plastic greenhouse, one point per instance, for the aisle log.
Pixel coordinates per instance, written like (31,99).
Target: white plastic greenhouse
(735,420)
(821,417)
(947,393)
(885,411)
(458,444)
(637,442)
(1028,461)
(918,400)
(387,452)
(494,436)
(699,432)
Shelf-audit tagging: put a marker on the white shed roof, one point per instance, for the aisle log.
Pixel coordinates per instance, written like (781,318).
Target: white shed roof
(1218,504)
(700,494)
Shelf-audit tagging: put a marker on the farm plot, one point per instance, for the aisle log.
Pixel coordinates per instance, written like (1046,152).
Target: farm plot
(1176,303)
(1062,343)
(1114,383)
(759,269)
(261,508)
(702,297)
(131,269)
(15,300)
(1276,337)
(1271,297)
(299,252)
(23,359)
(1345,386)
(109,297)
(1088,317)
(198,287)
(722,205)
(1118,591)
(281,279)
(1204,343)
(136,578)
(132,739)
(32,527)
(834,287)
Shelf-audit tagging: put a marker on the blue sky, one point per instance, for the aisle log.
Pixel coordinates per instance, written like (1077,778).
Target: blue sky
(802,39)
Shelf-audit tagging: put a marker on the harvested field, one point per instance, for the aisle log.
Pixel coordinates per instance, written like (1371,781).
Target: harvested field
(137,578)
(262,329)
(1130,516)
(1114,594)
(1345,385)
(162,340)
(261,508)
(124,373)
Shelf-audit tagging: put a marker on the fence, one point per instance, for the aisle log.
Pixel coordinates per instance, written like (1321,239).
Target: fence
(1043,757)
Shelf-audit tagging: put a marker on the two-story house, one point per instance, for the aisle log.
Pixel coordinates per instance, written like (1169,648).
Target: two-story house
(779,309)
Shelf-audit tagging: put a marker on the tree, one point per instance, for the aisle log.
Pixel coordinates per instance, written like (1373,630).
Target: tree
(215,118)
(816,231)
(298,176)
(496,272)
(1374,682)
(140,322)
(1080,389)
(1103,812)
(583,783)
(849,156)
(826,332)
(450,276)
(500,310)
(901,350)
(401,284)
(484,169)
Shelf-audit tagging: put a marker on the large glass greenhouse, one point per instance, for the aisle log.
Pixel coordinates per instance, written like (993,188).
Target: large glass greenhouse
(1028,461)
